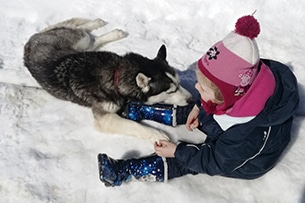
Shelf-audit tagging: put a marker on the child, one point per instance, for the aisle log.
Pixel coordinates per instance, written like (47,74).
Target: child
(246,110)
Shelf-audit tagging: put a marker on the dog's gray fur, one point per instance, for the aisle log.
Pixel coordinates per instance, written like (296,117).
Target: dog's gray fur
(64,61)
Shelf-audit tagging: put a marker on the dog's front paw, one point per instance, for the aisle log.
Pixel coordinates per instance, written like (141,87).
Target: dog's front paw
(157,135)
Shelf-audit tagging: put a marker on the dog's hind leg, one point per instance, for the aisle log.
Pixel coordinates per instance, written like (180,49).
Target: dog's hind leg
(111,36)
(81,23)
(92,24)
(114,124)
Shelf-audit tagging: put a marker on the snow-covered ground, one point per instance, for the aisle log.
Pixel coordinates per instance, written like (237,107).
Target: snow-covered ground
(48,147)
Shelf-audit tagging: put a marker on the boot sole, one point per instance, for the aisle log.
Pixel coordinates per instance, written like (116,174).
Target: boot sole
(101,158)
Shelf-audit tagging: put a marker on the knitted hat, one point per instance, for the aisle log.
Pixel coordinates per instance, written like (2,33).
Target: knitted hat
(231,64)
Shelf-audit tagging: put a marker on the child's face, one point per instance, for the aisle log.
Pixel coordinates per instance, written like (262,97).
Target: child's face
(205,91)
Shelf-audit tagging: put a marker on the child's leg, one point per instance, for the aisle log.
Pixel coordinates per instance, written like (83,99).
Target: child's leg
(114,172)
(175,169)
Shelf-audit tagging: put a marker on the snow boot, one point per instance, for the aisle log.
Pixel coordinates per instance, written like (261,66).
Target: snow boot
(167,114)
(113,172)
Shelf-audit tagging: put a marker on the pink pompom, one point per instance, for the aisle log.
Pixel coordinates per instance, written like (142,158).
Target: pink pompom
(247,26)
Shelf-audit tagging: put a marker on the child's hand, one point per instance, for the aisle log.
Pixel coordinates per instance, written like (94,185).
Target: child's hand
(192,119)
(165,148)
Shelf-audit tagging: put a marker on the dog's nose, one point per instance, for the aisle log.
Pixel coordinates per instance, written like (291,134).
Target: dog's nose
(190,100)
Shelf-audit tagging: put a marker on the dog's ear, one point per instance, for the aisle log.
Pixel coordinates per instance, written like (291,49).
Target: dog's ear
(143,82)
(162,53)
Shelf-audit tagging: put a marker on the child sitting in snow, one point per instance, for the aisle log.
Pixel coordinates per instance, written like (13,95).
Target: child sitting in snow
(246,110)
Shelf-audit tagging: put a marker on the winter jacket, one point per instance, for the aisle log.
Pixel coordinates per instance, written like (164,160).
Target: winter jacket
(245,150)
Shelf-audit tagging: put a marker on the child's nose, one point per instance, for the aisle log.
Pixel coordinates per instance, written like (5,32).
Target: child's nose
(197,86)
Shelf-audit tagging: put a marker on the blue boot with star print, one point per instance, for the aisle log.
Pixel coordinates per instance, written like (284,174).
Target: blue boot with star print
(113,172)
(167,114)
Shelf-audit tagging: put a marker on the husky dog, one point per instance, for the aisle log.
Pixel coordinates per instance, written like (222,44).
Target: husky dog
(64,60)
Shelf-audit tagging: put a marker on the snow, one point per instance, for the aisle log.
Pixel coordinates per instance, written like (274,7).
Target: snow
(48,147)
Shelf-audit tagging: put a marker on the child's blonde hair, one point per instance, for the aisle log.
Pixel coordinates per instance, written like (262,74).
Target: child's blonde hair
(210,84)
